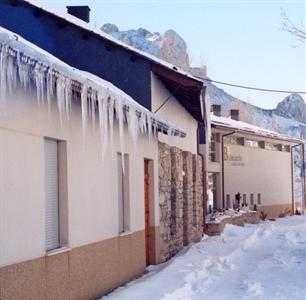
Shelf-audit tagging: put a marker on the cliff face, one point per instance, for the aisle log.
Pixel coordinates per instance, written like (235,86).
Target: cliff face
(293,106)
(169,46)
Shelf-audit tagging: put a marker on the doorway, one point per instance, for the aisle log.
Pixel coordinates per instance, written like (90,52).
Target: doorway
(149,208)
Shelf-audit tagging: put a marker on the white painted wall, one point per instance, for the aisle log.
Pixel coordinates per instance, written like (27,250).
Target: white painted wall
(21,197)
(92,183)
(174,112)
(263,171)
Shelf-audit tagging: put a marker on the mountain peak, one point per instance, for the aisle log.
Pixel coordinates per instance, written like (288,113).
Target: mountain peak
(169,46)
(109,28)
(293,106)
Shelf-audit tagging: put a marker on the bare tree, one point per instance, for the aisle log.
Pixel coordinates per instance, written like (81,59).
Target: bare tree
(288,26)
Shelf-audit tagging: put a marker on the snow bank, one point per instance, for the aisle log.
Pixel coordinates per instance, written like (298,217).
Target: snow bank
(265,261)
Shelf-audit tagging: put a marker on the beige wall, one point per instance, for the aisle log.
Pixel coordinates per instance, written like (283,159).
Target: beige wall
(174,112)
(259,171)
(84,273)
(21,197)
(92,182)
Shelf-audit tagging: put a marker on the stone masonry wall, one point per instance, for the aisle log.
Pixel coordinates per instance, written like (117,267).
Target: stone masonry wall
(188,203)
(176,200)
(198,192)
(180,199)
(164,182)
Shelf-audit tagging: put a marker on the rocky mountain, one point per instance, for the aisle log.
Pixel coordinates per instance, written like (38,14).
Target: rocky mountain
(293,106)
(169,46)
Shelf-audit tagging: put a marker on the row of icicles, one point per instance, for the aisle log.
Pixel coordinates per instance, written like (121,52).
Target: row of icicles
(16,68)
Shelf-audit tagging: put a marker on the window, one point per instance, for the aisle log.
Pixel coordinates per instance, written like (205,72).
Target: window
(234,140)
(212,192)
(261,144)
(279,147)
(251,143)
(215,138)
(56,222)
(252,199)
(271,146)
(228,201)
(287,148)
(51,195)
(123,193)
(259,199)
(244,201)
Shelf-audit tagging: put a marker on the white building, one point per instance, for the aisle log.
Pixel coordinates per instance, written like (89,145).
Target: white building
(80,209)
(255,162)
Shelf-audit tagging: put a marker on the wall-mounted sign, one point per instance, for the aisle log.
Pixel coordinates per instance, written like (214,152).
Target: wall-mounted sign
(236,160)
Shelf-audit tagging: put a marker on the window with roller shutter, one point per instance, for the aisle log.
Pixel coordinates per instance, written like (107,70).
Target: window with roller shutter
(52,238)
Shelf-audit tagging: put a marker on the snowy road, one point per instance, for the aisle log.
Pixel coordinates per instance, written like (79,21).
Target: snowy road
(265,261)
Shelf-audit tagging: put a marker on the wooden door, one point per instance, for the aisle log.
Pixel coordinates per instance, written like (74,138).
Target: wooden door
(147,210)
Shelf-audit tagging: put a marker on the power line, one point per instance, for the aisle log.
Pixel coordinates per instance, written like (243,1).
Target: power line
(252,88)
(166,100)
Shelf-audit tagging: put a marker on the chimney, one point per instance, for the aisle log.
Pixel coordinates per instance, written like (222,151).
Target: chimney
(216,109)
(235,114)
(81,12)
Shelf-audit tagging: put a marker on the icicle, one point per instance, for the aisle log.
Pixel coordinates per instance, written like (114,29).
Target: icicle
(60,96)
(3,77)
(68,95)
(49,87)
(103,122)
(132,123)
(84,107)
(39,78)
(142,123)
(11,73)
(149,127)
(155,129)
(170,131)
(120,118)
(51,83)
(93,114)
(111,120)
(24,70)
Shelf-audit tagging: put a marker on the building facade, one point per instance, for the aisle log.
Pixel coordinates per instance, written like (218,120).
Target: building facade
(251,161)
(86,203)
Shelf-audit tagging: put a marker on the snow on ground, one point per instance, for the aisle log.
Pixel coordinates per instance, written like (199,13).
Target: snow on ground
(265,261)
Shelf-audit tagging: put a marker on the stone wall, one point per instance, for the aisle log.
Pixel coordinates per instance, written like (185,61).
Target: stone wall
(180,199)
(216,228)
(176,200)
(188,197)
(198,192)
(164,182)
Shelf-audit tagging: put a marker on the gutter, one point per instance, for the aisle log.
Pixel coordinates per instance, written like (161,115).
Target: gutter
(222,164)
(204,180)
(303,174)
(301,145)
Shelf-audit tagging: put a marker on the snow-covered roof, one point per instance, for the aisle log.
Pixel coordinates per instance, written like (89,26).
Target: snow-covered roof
(239,126)
(24,64)
(80,23)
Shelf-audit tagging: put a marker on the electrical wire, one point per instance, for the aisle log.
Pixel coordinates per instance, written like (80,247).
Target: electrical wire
(166,100)
(252,88)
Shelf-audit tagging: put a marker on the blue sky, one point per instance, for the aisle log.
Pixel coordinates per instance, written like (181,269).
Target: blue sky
(239,41)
